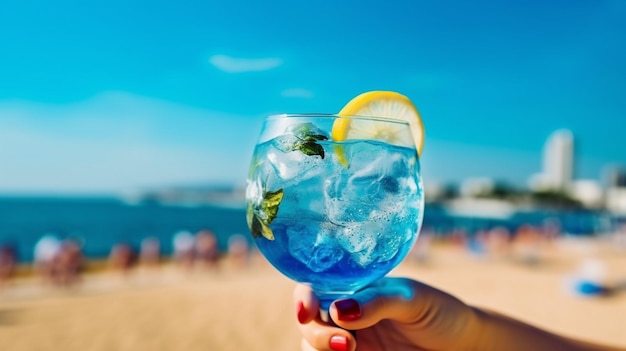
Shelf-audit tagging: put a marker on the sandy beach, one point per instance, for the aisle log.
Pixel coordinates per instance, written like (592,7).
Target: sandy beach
(251,308)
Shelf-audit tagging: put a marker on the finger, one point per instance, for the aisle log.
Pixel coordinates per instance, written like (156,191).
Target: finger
(305,346)
(307,304)
(320,336)
(400,299)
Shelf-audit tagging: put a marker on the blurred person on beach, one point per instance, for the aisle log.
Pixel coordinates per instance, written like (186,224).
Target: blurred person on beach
(551,228)
(497,242)
(207,253)
(121,258)
(401,314)
(490,243)
(476,244)
(8,259)
(238,251)
(457,238)
(45,252)
(150,252)
(527,245)
(183,243)
(68,264)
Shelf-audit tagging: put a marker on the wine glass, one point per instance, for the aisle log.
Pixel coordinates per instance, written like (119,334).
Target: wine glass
(336,215)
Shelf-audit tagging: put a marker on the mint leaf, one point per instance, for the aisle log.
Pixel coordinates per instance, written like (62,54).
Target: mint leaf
(270,204)
(306,137)
(311,148)
(258,229)
(312,137)
(259,217)
(255,227)
(266,232)
(307,131)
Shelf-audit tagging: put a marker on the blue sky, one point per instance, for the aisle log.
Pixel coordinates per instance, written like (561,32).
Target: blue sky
(114,95)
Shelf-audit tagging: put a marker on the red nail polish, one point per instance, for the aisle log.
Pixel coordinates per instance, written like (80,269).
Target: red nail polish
(302,313)
(348,310)
(339,343)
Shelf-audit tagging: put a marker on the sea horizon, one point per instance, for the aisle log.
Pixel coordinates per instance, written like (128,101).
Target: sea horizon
(100,222)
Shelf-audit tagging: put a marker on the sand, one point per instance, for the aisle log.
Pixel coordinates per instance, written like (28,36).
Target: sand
(251,308)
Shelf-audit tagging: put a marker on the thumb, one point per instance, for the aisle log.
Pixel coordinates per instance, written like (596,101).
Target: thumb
(400,299)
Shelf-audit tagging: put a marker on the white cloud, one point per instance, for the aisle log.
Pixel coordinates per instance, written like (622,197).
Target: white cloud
(297,93)
(231,64)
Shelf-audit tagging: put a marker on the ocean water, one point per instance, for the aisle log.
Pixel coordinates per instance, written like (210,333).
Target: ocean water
(100,223)
(572,222)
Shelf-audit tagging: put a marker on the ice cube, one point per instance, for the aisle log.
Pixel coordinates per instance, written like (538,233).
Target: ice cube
(361,241)
(369,203)
(254,191)
(301,239)
(309,244)
(378,179)
(357,237)
(263,177)
(345,202)
(345,212)
(391,244)
(293,165)
(324,256)
(286,164)
(364,258)
(285,143)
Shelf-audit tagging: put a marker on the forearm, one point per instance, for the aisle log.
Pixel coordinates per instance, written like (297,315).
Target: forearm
(498,332)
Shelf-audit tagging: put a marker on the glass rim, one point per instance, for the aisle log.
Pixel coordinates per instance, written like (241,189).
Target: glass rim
(336,116)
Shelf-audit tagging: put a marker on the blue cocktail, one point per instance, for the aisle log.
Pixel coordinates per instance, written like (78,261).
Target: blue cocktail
(334,214)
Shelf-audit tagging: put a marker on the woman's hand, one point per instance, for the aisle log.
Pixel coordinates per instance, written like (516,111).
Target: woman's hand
(401,314)
(392,314)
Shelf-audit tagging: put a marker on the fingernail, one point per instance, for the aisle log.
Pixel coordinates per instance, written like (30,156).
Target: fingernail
(302,313)
(348,310)
(339,343)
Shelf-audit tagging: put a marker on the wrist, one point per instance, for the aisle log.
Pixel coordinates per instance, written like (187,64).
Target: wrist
(476,335)
(493,331)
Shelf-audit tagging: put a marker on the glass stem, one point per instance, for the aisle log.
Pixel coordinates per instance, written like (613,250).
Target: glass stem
(326,299)
(324,309)
(325,303)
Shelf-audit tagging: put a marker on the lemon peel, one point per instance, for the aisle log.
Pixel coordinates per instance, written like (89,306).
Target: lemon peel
(381,105)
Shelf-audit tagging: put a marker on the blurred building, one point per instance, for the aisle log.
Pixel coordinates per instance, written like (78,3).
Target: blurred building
(476,187)
(557,173)
(616,200)
(588,192)
(615,177)
(615,196)
(434,191)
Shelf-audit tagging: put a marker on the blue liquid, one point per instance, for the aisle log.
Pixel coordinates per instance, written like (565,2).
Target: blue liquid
(331,268)
(339,228)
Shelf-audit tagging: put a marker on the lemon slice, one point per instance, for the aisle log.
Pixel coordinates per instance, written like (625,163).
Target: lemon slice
(382,105)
